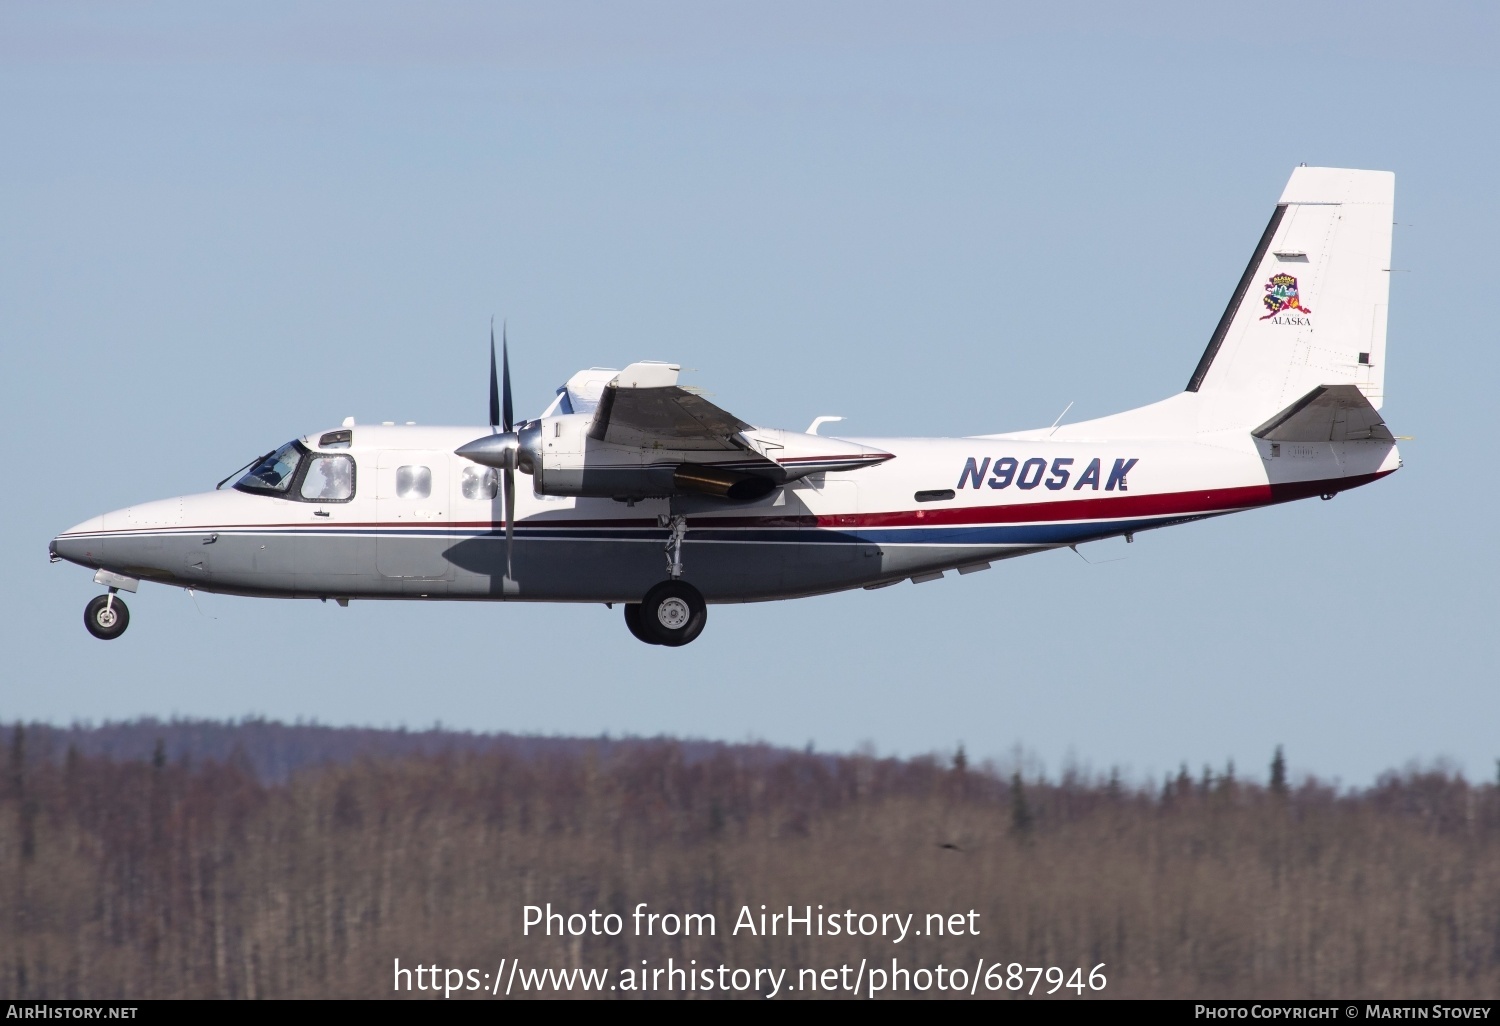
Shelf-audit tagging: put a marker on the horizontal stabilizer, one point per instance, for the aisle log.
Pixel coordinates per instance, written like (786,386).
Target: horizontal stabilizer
(1329,413)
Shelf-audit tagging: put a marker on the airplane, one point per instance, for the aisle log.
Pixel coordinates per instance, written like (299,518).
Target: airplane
(646,494)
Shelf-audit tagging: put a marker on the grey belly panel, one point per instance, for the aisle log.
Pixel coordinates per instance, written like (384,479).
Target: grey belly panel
(618,570)
(542,569)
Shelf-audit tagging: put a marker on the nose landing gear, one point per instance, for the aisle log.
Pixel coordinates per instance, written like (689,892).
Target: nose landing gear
(106,616)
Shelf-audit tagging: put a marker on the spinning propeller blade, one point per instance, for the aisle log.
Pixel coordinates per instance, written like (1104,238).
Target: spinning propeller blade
(510,421)
(495,386)
(510,516)
(501,447)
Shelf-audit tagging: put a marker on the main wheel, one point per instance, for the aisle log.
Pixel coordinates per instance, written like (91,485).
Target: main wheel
(105,619)
(633,621)
(673,613)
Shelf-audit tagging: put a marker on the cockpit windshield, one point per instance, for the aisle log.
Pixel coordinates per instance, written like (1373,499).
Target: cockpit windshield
(274,473)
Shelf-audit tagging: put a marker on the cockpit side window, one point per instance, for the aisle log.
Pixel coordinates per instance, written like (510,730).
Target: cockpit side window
(328,479)
(295,472)
(274,473)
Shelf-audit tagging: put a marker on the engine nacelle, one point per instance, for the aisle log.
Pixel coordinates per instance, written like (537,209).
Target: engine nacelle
(563,460)
(566,455)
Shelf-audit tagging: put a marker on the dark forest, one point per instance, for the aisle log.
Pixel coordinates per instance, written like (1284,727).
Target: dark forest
(255,859)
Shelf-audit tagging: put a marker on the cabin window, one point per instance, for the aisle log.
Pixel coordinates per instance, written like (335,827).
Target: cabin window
(480,483)
(413,482)
(935,495)
(329,479)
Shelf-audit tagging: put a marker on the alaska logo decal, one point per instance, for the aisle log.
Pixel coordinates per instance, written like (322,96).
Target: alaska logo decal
(1281,298)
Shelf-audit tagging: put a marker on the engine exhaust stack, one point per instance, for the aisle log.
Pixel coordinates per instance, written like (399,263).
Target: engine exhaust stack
(723,484)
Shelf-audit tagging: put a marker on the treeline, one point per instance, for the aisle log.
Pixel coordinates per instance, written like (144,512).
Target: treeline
(273,751)
(162,876)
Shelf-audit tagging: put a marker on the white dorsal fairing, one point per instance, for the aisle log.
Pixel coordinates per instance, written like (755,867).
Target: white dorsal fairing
(581,392)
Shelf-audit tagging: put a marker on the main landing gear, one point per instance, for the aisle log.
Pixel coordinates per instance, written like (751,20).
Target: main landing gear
(106,616)
(673,612)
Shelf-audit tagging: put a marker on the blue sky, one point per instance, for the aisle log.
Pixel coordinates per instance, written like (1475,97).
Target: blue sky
(221,227)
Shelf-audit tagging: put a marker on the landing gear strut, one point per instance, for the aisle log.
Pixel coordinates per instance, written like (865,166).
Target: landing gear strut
(106,616)
(677,524)
(673,612)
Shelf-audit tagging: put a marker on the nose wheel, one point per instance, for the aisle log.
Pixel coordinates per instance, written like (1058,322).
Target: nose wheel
(106,616)
(672,614)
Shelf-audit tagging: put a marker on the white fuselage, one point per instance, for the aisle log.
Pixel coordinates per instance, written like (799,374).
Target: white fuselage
(423,522)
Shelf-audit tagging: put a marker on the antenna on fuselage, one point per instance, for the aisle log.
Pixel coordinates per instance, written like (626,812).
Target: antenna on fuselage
(1058,421)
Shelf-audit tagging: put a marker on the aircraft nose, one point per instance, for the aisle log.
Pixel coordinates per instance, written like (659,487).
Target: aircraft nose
(77,544)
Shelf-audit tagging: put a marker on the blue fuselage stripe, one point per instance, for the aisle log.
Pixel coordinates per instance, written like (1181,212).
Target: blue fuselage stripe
(1053,533)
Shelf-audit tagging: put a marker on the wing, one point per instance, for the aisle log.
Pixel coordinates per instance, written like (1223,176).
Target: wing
(643,407)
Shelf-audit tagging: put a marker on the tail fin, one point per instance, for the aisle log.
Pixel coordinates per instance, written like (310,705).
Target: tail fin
(1310,309)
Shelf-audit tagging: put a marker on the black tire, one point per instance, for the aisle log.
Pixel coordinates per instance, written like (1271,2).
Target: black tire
(633,621)
(104,619)
(673,613)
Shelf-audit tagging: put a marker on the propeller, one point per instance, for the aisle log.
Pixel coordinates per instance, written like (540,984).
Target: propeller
(509,422)
(494,386)
(499,448)
(505,364)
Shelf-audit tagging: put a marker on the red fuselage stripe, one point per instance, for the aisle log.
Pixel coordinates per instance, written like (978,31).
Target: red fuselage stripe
(1112,508)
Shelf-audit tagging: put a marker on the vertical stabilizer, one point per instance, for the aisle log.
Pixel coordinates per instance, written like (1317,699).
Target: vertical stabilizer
(1310,309)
